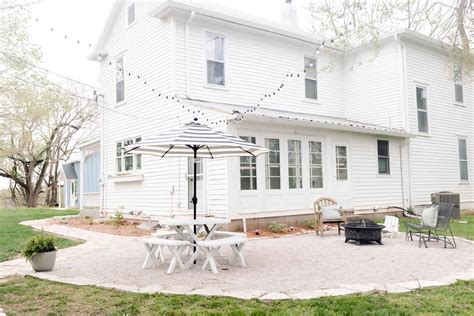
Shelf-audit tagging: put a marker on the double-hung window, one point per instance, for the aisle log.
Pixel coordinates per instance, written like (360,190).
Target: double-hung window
(315,165)
(341,163)
(458,93)
(295,178)
(463,165)
(215,62)
(248,169)
(272,164)
(310,81)
(383,153)
(119,80)
(126,162)
(131,13)
(422,109)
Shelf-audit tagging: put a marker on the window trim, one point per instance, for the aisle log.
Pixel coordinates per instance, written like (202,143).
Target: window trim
(335,161)
(316,79)
(117,58)
(252,189)
(460,138)
(129,24)
(426,110)
(294,166)
(134,169)
(279,164)
(388,157)
(225,60)
(323,162)
(459,82)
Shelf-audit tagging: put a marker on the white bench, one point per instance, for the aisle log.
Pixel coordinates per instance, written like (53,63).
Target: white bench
(211,248)
(155,246)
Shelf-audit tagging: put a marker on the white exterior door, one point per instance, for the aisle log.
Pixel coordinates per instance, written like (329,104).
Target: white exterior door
(341,169)
(200,188)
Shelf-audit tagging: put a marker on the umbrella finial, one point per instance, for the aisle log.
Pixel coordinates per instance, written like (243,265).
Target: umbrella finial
(195,119)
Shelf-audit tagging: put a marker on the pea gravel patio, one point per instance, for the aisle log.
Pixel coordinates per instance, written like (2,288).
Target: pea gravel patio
(302,266)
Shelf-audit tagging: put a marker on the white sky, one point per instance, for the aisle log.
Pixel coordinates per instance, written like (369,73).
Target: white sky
(84,19)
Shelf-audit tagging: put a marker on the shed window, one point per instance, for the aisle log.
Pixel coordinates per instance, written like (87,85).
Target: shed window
(119,81)
(422,109)
(272,164)
(315,165)
(383,153)
(458,93)
(127,162)
(215,59)
(463,166)
(310,81)
(248,169)
(131,13)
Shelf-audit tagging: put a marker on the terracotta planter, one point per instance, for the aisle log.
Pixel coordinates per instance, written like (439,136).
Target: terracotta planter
(43,261)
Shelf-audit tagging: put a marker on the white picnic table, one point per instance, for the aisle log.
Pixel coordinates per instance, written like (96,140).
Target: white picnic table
(184,227)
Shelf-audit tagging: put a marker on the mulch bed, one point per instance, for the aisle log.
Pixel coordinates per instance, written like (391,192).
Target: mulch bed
(125,228)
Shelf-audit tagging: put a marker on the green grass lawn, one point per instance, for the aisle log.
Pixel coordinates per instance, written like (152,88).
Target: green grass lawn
(465,230)
(27,296)
(13,236)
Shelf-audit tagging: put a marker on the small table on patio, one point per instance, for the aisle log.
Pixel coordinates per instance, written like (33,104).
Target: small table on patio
(184,227)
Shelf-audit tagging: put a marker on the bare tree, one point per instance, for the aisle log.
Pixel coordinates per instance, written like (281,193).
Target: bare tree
(347,22)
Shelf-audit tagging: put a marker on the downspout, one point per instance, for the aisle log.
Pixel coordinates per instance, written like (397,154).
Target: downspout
(405,110)
(190,19)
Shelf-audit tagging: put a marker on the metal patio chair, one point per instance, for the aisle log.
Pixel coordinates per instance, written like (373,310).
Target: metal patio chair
(441,230)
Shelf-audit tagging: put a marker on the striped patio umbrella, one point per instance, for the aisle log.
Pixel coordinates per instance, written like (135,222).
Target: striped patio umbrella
(197,141)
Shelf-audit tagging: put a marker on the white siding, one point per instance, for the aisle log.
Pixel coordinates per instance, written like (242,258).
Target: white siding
(147,47)
(372,85)
(256,64)
(366,188)
(434,157)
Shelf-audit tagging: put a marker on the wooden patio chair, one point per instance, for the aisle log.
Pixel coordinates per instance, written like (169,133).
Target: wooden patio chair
(318,213)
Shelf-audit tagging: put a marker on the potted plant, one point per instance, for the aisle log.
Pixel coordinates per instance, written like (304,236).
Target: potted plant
(40,251)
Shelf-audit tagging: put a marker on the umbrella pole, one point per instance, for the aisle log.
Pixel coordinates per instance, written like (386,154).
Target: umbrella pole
(194,199)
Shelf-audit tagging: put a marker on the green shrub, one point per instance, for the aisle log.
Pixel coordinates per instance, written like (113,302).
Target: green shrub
(277,227)
(309,224)
(39,244)
(118,219)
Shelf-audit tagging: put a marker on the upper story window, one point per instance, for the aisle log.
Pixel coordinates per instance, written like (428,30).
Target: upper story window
(383,153)
(310,81)
(272,164)
(315,165)
(295,172)
(458,93)
(131,13)
(248,169)
(127,162)
(215,62)
(463,166)
(119,81)
(422,109)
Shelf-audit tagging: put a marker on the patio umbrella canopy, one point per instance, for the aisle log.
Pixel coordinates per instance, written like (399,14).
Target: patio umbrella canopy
(197,141)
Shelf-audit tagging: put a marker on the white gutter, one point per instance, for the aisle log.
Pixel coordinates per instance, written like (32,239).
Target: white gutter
(187,53)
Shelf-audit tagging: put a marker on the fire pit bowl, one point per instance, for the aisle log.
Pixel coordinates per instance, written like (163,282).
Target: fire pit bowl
(363,231)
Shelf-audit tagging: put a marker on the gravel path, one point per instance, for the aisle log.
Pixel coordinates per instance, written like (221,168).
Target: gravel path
(299,267)
(287,265)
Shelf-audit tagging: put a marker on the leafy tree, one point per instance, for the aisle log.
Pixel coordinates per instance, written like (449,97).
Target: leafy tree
(40,121)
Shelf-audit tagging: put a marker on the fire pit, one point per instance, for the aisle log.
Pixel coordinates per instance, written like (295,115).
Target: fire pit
(363,231)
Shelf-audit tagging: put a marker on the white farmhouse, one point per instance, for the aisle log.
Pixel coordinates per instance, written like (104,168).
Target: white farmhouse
(367,127)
